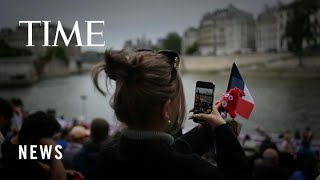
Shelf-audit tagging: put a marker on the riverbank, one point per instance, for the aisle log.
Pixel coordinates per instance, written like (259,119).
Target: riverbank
(263,64)
(255,65)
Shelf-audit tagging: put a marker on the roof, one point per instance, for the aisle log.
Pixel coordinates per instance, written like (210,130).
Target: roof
(228,12)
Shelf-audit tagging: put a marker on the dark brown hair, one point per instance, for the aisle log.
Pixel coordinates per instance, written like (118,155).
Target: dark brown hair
(144,82)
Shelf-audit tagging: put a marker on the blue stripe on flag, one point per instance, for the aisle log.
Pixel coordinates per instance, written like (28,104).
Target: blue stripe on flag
(235,79)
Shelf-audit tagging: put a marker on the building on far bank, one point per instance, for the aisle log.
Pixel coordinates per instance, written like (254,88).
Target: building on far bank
(232,31)
(206,35)
(267,33)
(189,39)
(21,64)
(271,25)
(316,19)
(17,71)
(18,38)
(139,43)
(226,31)
(270,28)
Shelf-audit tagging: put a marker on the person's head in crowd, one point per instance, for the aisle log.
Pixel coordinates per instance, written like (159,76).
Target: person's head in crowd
(36,126)
(307,134)
(65,133)
(270,157)
(288,135)
(268,168)
(79,134)
(17,105)
(307,128)
(149,92)
(267,143)
(6,113)
(297,135)
(281,136)
(258,161)
(247,137)
(52,112)
(75,122)
(99,130)
(17,102)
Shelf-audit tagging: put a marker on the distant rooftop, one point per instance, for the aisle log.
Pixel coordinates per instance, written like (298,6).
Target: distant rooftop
(229,11)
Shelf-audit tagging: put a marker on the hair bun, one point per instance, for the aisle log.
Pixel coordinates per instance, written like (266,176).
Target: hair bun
(120,66)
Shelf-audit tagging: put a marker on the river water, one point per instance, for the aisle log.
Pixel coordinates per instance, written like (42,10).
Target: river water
(280,103)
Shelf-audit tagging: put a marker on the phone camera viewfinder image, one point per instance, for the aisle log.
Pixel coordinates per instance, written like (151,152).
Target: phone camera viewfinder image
(203,98)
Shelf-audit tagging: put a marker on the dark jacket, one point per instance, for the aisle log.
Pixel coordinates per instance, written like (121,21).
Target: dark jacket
(265,172)
(161,158)
(85,160)
(16,169)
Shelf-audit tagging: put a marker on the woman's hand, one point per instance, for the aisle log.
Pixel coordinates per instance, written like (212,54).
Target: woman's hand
(75,174)
(56,167)
(214,118)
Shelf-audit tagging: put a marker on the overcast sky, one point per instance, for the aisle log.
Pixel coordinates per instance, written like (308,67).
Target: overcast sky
(124,19)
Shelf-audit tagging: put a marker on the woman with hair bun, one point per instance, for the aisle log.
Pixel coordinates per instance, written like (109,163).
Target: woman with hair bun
(150,101)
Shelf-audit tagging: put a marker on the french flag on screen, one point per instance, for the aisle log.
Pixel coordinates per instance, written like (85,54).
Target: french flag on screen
(246,103)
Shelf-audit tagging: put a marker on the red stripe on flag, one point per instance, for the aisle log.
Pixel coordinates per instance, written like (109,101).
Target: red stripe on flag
(244,108)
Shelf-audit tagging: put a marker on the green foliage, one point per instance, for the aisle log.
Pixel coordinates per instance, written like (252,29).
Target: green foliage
(156,48)
(299,27)
(57,52)
(172,41)
(194,48)
(7,51)
(39,65)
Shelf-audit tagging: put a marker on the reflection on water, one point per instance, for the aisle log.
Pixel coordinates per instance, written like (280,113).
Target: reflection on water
(280,103)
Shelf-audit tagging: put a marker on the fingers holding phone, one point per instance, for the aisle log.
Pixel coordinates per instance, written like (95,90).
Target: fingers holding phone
(214,118)
(204,109)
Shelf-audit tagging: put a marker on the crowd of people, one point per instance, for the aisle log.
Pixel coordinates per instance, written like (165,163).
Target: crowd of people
(286,157)
(293,158)
(149,102)
(80,143)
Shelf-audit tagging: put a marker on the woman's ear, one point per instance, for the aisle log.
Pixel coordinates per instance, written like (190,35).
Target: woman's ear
(166,111)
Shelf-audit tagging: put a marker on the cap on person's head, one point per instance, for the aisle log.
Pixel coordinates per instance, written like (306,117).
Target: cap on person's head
(79,132)
(99,129)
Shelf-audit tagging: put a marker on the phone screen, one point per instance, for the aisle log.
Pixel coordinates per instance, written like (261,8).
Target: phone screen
(203,102)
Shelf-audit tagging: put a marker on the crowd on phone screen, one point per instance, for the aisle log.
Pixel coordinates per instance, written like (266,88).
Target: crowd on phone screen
(81,144)
(201,106)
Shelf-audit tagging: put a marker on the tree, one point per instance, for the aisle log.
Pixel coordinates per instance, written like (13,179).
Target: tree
(7,51)
(172,41)
(192,49)
(300,28)
(57,52)
(42,61)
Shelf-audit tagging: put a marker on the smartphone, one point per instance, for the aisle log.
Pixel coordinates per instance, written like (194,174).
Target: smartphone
(203,101)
